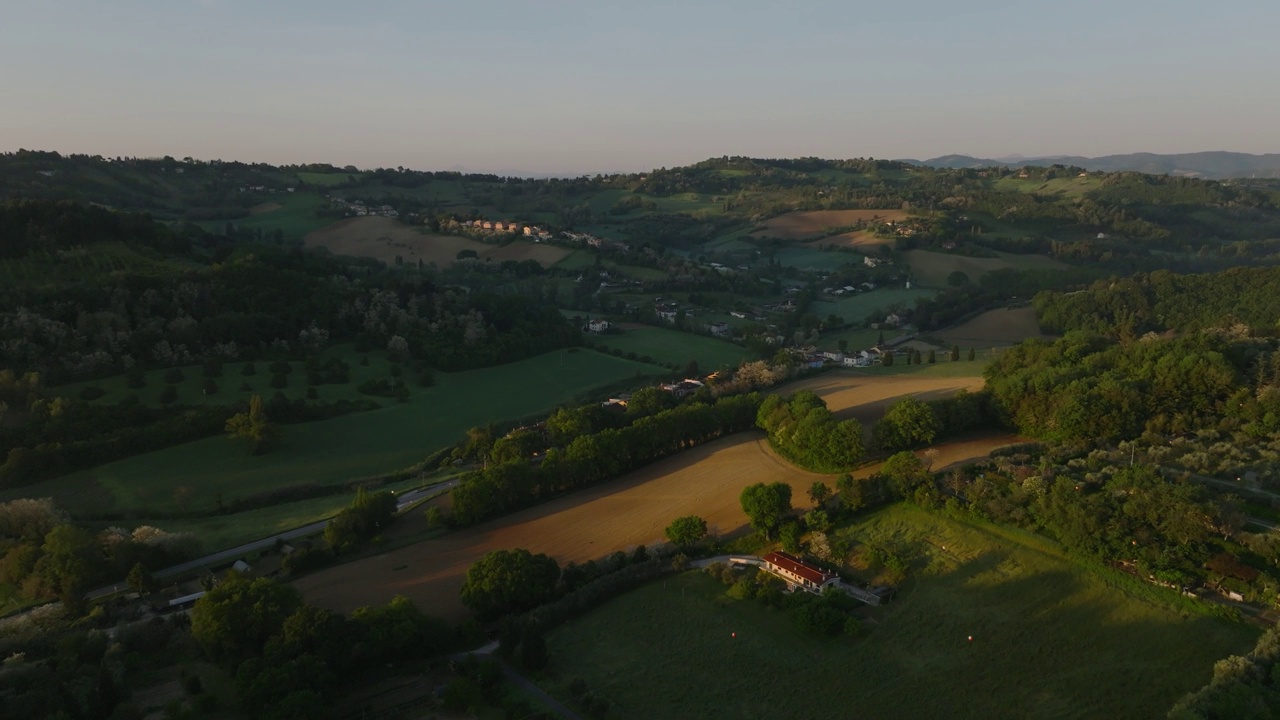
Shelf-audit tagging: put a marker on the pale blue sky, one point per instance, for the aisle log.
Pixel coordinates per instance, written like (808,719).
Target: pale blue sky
(579,85)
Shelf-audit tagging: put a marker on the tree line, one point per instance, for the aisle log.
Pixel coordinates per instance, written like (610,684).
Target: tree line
(591,458)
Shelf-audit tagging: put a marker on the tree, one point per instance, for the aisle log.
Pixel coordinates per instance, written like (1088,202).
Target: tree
(649,401)
(71,560)
(685,532)
(955,353)
(818,493)
(907,423)
(789,535)
(254,427)
(971,355)
(886,359)
(933,357)
(957,278)
(506,581)
(766,506)
(140,579)
(235,619)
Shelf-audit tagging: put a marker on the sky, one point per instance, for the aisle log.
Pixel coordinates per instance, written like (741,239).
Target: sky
(584,86)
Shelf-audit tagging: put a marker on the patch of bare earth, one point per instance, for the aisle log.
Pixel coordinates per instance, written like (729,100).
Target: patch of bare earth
(811,224)
(386,240)
(632,510)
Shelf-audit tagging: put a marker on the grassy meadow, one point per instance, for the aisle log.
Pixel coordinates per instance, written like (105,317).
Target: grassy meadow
(1051,639)
(296,216)
(672,346)
(858,307)
(193,477)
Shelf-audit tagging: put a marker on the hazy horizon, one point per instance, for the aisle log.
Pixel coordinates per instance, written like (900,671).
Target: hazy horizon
(570,87)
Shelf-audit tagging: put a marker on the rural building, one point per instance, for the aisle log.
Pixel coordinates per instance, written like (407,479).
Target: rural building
(719,329)
(799,574)
(837,357)
(598,326)
(893,320)
(682,389)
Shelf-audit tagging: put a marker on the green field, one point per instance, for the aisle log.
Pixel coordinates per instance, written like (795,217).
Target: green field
(1051,639)
(296,217)
(858,307)
(673,346)
(192,477)
(219,532)
(807,258)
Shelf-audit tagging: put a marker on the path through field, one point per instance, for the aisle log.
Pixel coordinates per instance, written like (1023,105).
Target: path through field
(633,510)
(386,239)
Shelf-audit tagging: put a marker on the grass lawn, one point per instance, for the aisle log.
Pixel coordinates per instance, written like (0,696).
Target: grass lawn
(858,338)
(673,346)
(191,477)
(1052,639)
(858,307)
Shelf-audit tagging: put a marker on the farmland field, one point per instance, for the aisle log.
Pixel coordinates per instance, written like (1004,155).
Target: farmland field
(327,179)
(864,393)
(932,268)
(295,216)
(816,223)
(673,346)
(195,476)
(1051,639)
(995,328)
(623,513)
(857,307)
(807,257)
(386,239)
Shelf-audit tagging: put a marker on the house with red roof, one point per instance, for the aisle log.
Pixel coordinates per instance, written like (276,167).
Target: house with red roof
(798,573)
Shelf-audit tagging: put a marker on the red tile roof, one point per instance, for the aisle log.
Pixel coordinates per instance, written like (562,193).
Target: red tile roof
(796,566)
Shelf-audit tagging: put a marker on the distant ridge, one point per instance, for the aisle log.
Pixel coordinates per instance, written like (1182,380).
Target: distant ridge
(1214,165)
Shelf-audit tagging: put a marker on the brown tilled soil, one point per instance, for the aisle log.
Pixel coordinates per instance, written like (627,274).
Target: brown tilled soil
(815,223)
(630,511)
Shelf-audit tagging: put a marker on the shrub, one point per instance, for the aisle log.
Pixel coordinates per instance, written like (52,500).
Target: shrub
(169,395)
(279,380)
(208,386)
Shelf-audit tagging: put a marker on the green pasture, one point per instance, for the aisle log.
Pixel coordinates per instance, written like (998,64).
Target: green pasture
(858,338)
(194,476)
(808,258)
(673,346)
(1072,186)
(857,307)
(1051,639)
(942,368)
(296,216)
(218,532)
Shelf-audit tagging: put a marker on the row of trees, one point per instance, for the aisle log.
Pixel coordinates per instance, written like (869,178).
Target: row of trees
(591,458)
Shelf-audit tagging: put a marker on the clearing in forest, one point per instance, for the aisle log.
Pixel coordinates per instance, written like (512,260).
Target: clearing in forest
(932,269)
(995,328)
(386,240)
(811,224)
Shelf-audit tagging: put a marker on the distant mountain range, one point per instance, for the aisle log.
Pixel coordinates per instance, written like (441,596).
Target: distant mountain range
(1215,165)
